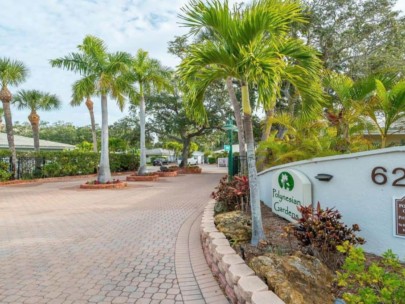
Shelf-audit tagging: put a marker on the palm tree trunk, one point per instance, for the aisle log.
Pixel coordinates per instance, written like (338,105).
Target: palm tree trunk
(239,124)
(10,134)
(89,104)
(34,120)
(104,173)
(257,226)
(383,140)
(1,121)
(267,124)
(142,168)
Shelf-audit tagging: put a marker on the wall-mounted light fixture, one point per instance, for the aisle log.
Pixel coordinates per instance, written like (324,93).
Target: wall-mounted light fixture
(324,177)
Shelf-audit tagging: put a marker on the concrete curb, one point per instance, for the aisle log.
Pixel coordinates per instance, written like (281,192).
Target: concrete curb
(240,283)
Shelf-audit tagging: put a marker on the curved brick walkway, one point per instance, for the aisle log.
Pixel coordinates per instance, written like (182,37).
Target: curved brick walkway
(59,244)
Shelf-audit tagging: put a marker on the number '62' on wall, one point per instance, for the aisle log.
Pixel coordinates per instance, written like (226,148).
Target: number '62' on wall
(379,176)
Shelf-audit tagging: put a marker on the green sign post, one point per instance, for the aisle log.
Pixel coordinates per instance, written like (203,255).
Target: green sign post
(230,127)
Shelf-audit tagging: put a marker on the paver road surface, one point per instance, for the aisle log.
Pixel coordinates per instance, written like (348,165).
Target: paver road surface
(61,244)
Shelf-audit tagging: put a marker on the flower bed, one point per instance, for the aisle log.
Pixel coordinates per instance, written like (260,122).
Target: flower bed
(151,177)
(115,184)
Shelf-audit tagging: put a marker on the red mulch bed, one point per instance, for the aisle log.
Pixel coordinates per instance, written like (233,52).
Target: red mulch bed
(120,185)
(142,178)
(52,179)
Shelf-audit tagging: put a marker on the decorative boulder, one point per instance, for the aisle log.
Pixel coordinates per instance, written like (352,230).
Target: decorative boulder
(236,226)
(296,279)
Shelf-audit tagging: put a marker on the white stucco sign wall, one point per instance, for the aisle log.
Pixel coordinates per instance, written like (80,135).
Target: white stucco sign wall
(290,189)
(367,188)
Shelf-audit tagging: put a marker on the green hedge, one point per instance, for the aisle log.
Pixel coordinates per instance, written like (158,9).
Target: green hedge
(68,163)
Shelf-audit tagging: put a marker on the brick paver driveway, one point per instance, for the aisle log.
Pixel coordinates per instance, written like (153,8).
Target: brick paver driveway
(59,244)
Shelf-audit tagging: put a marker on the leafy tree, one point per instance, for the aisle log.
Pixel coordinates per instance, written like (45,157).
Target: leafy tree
(35,100)
(175,146)
(358,37)
(85,146)
(252,46)
(148,74)
(128,129)
(12,72)
(168,117)
(107,74)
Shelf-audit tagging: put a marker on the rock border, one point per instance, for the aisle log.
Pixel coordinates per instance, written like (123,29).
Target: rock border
(120,185)
(238,280)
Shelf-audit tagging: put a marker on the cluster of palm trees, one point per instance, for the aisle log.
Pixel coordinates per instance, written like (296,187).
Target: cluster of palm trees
(13,73)
(118,75)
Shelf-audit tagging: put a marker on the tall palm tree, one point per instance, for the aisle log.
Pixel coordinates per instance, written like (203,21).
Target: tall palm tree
(35,100)
(147,74)
(12,72)
(385,107)
(252,46)
(83,89)
(106,73)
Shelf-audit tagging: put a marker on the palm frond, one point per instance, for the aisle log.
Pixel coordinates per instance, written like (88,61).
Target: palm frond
(12,72)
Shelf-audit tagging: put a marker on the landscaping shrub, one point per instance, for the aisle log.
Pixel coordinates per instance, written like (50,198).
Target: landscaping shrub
(4,173)
(381,282)
(68,163)
(319,232)
(232,195)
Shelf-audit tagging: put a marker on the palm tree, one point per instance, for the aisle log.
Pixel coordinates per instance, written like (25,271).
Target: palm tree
(36,100)
(105,72)
(346,105)
(12,72)
(252,46)
(83,89)
(147,74)
(385,107)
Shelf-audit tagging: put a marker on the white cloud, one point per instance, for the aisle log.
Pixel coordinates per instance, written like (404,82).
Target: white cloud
(36,31)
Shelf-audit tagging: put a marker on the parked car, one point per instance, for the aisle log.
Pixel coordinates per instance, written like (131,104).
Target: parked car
(160,162)
(190,161)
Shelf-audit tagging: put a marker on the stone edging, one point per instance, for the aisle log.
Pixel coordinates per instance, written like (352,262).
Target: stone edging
(240,283)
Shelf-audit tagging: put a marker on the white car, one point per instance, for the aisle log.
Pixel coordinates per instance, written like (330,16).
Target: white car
(190,161)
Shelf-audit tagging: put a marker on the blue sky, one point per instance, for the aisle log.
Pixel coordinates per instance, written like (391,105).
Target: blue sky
(35,31)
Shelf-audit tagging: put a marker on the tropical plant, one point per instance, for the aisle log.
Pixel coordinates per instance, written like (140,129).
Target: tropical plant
(147,74)
(319,232)
(385,107)
(35,100)
(379,282)
(252,46)
(12,72)
(106,73)
(84,89)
